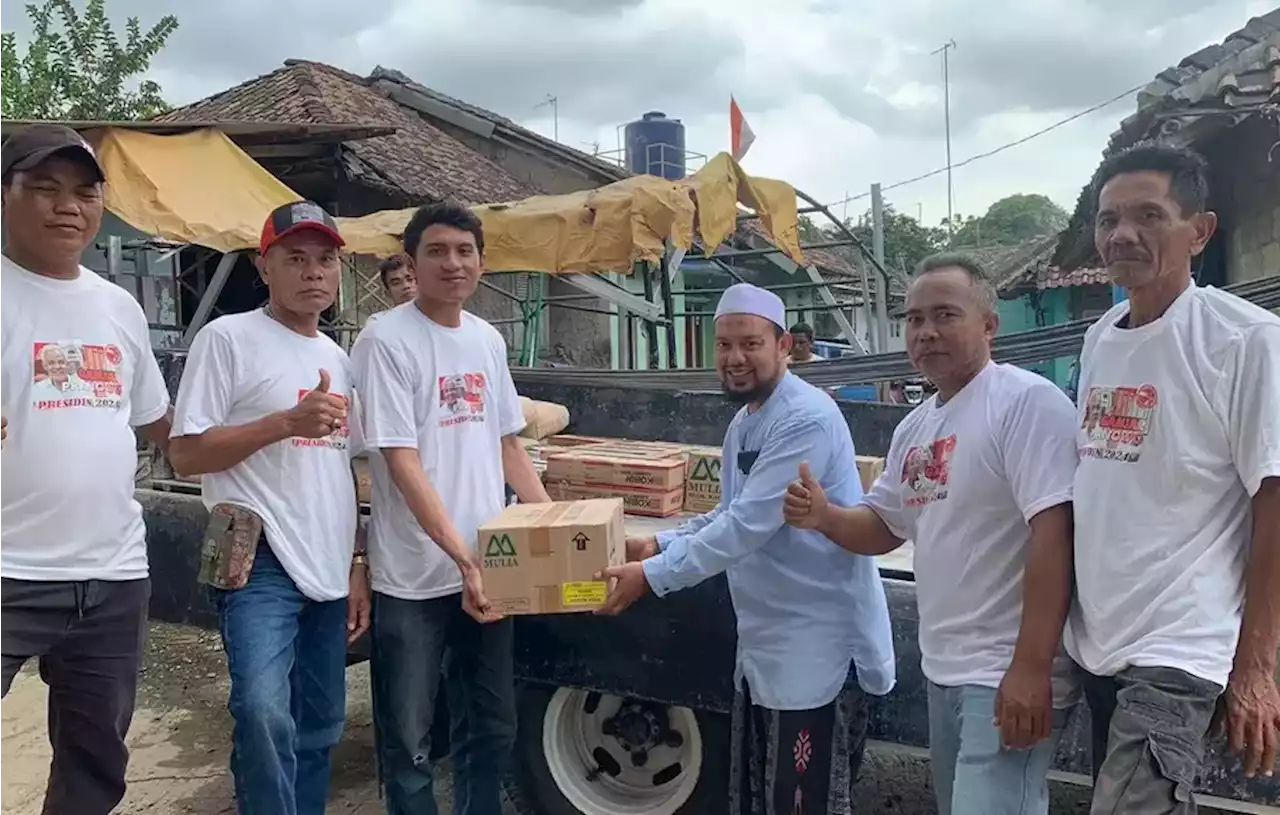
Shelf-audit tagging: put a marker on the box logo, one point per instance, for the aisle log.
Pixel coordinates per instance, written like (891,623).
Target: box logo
(706,469)
(500,553)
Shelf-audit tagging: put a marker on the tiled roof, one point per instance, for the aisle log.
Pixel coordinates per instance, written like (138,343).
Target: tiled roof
(1052,277)
(1213,88)
(387,76)
(1012,266)
(420,161)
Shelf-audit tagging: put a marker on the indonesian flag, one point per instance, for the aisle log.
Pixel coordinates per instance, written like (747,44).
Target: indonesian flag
(740,135)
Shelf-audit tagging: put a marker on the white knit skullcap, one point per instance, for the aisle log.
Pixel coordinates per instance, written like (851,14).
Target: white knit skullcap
(744,298)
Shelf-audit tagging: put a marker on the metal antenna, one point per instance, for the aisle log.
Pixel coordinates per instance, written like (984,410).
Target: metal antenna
(554,102)
(946,106)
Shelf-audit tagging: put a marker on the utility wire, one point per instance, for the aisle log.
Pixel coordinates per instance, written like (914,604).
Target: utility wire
(999,149)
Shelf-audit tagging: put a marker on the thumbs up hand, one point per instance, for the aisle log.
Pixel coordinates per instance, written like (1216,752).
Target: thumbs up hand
(319,413)
(805,504)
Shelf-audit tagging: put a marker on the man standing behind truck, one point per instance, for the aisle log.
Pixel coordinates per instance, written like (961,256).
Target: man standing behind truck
(980,478)
(805,610)
(398,282)
(441,408)
(262,416)
(1177,561)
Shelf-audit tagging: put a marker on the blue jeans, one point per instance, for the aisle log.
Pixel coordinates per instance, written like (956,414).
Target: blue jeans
(287,656)
(973,774)
(414,642)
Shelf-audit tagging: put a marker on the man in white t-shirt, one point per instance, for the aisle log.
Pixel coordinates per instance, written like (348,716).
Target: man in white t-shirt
(980,478)
(442,411)
(262,415)
(73,556)
(1177,542)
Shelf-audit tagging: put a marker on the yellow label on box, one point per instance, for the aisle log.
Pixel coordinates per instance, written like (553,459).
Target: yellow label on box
(584,593)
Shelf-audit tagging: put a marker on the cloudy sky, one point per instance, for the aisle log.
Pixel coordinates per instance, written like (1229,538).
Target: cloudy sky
(840,93)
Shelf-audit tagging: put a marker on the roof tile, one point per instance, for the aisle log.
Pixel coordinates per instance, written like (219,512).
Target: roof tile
(419,159)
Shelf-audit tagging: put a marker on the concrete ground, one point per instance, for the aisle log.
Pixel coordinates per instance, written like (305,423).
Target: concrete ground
(181,734)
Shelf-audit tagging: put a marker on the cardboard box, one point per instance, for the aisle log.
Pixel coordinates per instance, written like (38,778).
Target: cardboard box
(570,440)
(652,503)
(542,558)
(869,469)
(702,479)
(660,468)
(364,478)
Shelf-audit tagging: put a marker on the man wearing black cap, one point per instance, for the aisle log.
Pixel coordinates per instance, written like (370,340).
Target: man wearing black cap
(79,378)
(262,415)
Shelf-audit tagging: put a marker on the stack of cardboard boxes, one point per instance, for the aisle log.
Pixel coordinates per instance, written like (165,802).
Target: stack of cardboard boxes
(648,476)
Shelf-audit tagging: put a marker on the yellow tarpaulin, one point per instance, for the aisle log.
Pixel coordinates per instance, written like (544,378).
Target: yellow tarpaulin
(197,187)
(606,229)
(201,188)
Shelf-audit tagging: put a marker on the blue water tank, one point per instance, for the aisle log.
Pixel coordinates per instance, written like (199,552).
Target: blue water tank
(655,145)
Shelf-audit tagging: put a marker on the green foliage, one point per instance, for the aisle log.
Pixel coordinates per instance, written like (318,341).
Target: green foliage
(906,240)
(1010,221)
(75,67)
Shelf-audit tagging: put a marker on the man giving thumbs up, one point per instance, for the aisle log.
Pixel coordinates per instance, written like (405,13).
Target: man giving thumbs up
(264,414)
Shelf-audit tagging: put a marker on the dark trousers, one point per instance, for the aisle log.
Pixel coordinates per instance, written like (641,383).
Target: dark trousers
(1149,727)
(88,636)
(797,762)
(414,643)
(287,657)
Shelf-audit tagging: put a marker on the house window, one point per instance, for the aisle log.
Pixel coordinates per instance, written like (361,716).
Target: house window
(1088,302)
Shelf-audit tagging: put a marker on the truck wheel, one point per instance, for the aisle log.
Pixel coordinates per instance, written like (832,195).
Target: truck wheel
(586,753)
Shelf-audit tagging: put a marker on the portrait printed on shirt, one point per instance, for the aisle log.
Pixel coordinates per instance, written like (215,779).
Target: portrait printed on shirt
(1117,422)
(73,374)
(461,398)
(337,440)
(926,469)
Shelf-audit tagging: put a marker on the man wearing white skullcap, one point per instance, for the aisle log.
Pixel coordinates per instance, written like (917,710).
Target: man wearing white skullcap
(813,624)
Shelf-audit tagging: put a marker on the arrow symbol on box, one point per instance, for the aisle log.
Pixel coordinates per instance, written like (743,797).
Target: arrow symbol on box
(581,540)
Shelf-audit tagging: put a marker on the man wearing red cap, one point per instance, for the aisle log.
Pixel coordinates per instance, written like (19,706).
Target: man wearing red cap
(79,379)
(262,415)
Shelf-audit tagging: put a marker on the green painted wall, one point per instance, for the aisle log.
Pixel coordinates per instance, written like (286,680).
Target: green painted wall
(1050,307)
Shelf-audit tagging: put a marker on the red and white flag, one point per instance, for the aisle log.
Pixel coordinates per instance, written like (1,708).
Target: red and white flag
(740,135)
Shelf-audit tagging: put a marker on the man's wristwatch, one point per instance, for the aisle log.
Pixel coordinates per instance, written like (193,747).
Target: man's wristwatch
(360,558)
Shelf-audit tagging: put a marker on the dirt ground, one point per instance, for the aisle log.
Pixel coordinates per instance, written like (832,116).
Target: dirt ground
(181,736)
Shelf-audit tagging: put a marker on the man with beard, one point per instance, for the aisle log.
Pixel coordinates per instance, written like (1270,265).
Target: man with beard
(806,610)
(74,553)
(262,416)
(441,408)
(980,478)
(1177,542)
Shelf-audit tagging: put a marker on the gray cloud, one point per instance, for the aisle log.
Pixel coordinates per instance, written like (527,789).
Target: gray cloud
(595,8)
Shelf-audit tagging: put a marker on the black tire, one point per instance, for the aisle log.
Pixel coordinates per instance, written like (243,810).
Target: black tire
(533,791)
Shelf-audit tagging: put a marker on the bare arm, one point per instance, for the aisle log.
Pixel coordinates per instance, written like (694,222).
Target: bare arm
(518,470)
(1046,588)
(221,448)
(157,432)
(426,505)
(858,529)
(1260,627)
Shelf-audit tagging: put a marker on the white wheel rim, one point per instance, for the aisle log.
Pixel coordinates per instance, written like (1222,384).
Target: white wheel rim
(570,736)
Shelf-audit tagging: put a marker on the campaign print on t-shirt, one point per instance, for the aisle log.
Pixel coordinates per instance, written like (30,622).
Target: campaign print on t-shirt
(1117,421)
(69,374)
(926,470)
(462,397)
(336,440)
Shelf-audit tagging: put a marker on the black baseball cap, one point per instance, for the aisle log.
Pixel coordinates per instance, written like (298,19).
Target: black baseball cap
(296,217)
(31,145)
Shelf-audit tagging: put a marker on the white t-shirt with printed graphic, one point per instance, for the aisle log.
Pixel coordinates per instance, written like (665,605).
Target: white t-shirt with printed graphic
(962,481)
(446,392)
(79,374)
(244,367)
(1179,423)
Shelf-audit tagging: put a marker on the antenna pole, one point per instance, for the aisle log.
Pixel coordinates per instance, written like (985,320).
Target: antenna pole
(946,107)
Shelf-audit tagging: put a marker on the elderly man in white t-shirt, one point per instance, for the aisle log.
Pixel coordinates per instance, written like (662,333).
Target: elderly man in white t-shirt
(980,478)
(442,410)
(74,554)
(262,415)
(1177,498)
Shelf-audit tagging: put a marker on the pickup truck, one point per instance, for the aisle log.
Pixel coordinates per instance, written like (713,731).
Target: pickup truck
(630,714)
